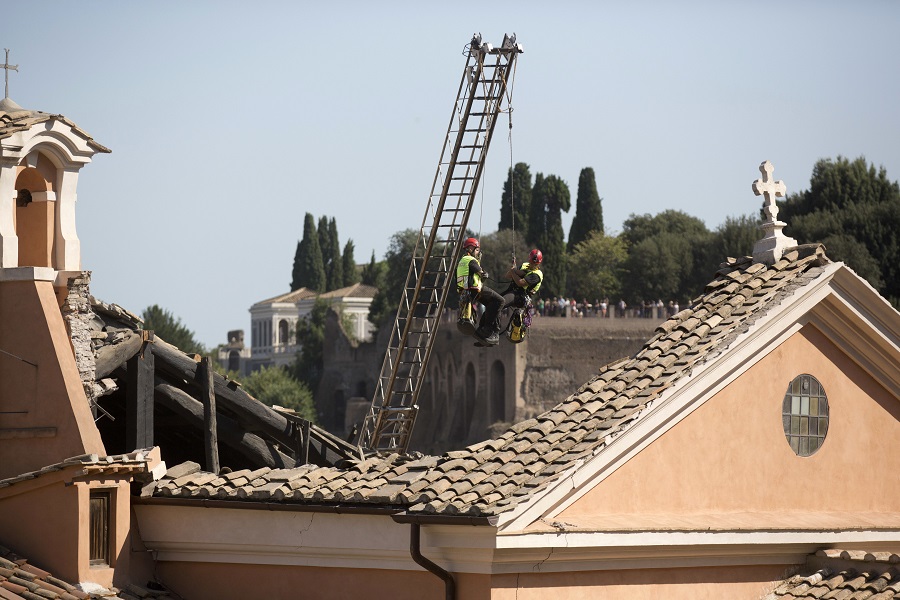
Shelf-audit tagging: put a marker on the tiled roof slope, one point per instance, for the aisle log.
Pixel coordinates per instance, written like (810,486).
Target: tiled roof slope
(134,462)
(844,575)
(20,580)
(357,290)
(492,477)
(13,121)
(289,297)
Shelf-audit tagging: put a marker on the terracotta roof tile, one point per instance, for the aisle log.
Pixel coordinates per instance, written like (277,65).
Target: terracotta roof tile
(12,122)
(493,476)
(20,580)
(841,574)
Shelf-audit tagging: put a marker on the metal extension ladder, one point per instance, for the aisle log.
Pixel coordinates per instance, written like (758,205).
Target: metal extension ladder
(482,90)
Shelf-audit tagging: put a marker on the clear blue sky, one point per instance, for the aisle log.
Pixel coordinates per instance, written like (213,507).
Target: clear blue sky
(229,121)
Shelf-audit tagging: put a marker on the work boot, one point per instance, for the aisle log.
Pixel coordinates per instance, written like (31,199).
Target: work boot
(491,340)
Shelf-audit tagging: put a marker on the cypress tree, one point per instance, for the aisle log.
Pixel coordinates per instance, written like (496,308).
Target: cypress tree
(517,193)
(549,200)
(324,234)
(537,212)
(296,277)
(588,210)
(351,274)
(309,270)
(335,269)
(370,272)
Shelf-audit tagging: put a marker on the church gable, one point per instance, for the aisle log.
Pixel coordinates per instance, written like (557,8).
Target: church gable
(736,463)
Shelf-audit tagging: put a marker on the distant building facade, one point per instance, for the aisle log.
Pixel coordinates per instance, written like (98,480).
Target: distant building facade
(273,325)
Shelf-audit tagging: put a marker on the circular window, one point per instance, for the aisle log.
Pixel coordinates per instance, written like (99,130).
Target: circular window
(804,414)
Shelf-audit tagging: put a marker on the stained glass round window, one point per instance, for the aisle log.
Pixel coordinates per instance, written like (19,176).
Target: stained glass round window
(804,414)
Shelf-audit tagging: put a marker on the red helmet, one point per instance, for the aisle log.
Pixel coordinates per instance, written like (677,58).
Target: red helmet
(536,256)
(471,243)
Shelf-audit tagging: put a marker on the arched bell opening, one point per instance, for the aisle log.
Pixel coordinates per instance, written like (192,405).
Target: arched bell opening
(34,216)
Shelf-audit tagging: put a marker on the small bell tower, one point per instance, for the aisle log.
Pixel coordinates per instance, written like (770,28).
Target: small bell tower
(41,155)
(45,416)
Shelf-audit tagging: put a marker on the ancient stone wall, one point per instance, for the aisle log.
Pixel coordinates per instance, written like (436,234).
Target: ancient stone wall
(470,393)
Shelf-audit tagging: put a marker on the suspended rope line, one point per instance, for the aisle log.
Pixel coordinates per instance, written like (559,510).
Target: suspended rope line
(512,168)
(512,189)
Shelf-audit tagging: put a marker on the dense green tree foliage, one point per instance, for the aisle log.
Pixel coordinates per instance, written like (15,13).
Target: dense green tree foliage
(854,209)
(550,198)
(169,327)
(309,269)
(311,337)
(735,237)
(349,268)
(597,267)
(588,210)
(497,251)
(516,195)
(667,256)
(396,267)
(275,386)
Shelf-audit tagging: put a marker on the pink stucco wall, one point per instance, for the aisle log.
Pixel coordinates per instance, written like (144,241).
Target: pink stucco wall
(744,583)
(731,455)
(44,413)
(207,581)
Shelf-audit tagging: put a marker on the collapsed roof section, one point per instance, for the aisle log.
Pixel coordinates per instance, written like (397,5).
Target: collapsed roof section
(148,392)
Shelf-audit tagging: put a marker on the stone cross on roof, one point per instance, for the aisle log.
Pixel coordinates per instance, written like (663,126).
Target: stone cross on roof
(769,190)
(7,68)
(773,244)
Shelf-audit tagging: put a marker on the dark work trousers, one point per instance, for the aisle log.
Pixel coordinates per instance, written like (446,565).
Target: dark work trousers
(514,298)
(493,302)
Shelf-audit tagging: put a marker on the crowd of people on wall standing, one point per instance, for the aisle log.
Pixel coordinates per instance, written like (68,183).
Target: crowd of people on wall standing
(602,308)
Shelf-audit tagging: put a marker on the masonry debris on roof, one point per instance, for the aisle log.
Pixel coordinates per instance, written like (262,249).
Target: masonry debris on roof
(492,477)
(112,349)
(844,575)
(20,580)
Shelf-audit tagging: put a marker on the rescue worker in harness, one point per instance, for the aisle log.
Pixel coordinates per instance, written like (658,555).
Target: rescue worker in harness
(469,284)
(524,284)
(525,281)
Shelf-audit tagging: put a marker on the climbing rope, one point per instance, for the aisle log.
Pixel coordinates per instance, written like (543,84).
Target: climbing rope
(512,185)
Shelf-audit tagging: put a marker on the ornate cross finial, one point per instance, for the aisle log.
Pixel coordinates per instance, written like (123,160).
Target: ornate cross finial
(769,190)
(773,244)
(7,68)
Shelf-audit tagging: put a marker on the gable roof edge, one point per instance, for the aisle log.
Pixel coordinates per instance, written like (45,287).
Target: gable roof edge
(856,306)
(692,391)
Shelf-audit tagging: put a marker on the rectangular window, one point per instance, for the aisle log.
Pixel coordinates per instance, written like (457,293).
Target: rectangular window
(99,533)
